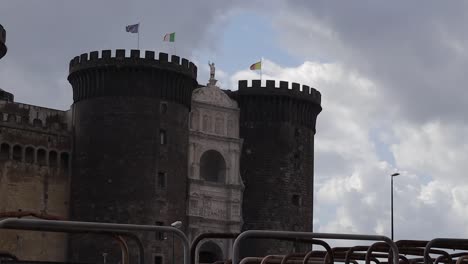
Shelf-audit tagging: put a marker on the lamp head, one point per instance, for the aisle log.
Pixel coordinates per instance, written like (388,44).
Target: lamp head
(177,224)
(395,174)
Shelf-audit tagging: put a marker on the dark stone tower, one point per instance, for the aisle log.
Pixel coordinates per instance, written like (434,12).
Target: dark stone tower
(130,123)
(4,95)
(3,48)
(277,161)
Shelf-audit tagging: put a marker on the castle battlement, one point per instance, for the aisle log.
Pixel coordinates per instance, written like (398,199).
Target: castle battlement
(34,118)
(95,76)
(119,59)
(293,90)
(284,103)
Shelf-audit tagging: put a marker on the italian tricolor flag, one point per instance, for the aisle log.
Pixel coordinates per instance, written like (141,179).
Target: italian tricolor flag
(169,37)
(256,66)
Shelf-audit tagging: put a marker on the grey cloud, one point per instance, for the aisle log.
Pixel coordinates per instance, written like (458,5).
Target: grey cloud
(415,51)
(43,36)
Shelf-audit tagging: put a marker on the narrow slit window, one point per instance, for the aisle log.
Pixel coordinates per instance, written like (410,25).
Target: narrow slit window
(161,180)
(162,137)
(160,235)
(296,200)
(158,259)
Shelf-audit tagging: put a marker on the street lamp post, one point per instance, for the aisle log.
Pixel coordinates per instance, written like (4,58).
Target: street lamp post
(178,225)
(391,199)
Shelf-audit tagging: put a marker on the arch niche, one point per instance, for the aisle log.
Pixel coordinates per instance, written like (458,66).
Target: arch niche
(209,252)
(213,167)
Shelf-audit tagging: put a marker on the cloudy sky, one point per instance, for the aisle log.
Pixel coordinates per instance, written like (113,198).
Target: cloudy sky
(392,74)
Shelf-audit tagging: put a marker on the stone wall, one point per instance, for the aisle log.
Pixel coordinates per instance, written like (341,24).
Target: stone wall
(130,119)
(35,159)
(278,127)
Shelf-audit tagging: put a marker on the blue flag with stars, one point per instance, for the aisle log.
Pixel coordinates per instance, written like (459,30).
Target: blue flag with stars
(132,28)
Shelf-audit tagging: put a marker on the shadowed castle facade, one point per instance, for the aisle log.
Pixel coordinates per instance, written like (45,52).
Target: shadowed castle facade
(143,143)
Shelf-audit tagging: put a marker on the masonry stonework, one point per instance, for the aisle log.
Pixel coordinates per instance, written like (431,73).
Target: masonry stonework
(130,120)
(278,128)
(215,185)
(35,145)
(142,145)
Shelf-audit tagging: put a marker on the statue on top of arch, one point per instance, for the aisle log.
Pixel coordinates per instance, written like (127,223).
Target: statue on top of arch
(212,80)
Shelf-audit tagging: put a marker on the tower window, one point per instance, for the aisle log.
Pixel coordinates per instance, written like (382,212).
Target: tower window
(160,235)
(163,107)
(158,259)
(162,137)
(296,200)
(161,180)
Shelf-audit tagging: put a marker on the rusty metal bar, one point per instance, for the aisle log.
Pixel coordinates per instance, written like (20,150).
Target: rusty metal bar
(351,250)
(451,243)
(309,255)
(298,235)
(291,255)
(450,257)
(141,250)
(378,246)
(60,226)
(461,259)
(362,256)
(7,255)
(266,258)
(250,260)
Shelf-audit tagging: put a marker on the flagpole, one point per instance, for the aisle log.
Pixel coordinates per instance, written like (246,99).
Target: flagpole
(261,68)
(138,39)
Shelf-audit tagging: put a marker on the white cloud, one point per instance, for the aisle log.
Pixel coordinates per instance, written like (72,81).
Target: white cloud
(352,182)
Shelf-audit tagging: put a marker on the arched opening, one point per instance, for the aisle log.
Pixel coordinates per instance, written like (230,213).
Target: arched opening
(29,155)
(4,151)
(212,166)
(41,157)
(17,153)
(209,253)
(53,162)
(64,160)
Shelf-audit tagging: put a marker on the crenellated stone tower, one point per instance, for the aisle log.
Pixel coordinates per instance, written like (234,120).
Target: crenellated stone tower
(3,48)
(130,125)
(277,161)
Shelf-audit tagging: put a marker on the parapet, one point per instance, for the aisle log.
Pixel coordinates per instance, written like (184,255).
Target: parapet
(106,59)
(33,118)
(287,103)
(292,90)
(6,96)
(3,48)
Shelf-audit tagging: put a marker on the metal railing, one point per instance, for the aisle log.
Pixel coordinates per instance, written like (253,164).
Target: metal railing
(300,235)
(92,227)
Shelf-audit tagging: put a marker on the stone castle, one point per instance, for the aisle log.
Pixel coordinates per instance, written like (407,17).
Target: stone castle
(144,143)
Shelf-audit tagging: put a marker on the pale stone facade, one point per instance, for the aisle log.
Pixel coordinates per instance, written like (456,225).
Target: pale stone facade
(215,185)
